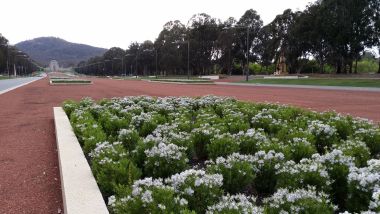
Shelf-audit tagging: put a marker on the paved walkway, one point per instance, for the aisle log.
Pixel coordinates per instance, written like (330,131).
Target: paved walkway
(344,88)
(29,174)
(7,84)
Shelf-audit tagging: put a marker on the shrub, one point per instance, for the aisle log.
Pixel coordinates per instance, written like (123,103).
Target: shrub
(337,166)
(129,138)
(111,167)
(250,140)
(325,135)
(201,137)
(198,188)
(236,169)
(69,106)
(298,149)
(304,174)
(265,120)
(222,145)
(371,137)
(148,196)
(298,201)
(265,165)
(163,160)
(362,183)
(235,204)
(356,149)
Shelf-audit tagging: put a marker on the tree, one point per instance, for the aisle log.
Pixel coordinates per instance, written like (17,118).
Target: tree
(114,56)
(253,22)
(225,43)
(169,47)
(202,34)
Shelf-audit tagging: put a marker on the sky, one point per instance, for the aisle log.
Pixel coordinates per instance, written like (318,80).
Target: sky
(110,23)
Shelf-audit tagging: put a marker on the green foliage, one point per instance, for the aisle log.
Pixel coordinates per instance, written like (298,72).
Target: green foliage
(203,149)
(110,174)
(222,146)
(237,172)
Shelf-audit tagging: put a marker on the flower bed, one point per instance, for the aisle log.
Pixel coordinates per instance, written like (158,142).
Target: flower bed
(219,155)
(69,81)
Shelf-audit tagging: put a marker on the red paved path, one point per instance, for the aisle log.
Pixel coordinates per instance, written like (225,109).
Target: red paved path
(29,175)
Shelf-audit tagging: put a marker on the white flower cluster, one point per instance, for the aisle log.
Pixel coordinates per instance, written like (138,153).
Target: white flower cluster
(105,150)
(138,120)
(200,178)
(236,203)
(375,202)
(290,198)
(211,100)
(167,151)
(367,178)
(206,129)
(255,134)
(350,144)
(305,166)
(317,127)
(266,114)
(297,140)
(261,158)
(334,157)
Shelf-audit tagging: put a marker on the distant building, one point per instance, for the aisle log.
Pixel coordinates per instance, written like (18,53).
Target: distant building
(54,66)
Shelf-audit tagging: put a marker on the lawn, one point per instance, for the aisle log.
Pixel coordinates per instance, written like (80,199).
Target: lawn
(182,80)
(219,155)
(322,82)
(3,77)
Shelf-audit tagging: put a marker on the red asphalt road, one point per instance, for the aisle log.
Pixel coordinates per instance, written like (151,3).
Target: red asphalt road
(29,174)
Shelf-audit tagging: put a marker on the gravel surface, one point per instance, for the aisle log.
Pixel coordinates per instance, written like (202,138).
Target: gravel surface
(29,174)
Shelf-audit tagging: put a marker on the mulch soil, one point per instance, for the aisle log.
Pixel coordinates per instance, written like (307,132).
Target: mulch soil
(29,173)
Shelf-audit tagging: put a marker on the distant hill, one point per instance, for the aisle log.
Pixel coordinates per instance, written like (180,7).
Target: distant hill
(44,49)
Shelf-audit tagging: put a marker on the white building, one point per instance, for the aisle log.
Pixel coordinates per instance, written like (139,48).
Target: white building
(54,66)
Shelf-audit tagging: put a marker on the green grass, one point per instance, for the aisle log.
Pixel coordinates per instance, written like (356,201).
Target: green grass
(4,77)
(68,81)
(321,82)
(182,80)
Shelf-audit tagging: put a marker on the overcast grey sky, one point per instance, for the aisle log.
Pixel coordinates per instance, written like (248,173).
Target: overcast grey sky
(108,23)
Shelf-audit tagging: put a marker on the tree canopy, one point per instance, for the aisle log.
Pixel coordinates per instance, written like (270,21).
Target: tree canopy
(328,33)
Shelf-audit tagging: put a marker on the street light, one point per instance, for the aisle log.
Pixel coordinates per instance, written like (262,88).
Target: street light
(188,56)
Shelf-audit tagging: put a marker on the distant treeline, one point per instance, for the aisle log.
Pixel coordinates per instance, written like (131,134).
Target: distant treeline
(328,36)
(14,61)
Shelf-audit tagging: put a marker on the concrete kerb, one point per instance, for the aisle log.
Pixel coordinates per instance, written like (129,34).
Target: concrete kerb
(80,191)
(12,88)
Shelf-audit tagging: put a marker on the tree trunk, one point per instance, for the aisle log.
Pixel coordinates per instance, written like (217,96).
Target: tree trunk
(356,66)
(350,67)
(379,62)
(338,67)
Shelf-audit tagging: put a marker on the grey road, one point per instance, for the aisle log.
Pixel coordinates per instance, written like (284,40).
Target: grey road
(7,84)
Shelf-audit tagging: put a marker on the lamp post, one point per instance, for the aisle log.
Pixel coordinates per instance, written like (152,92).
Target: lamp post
(188,56)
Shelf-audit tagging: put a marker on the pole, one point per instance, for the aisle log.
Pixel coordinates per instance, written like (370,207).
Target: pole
(247,71)
(8,60)
(122,65)
(188,59)
(156,64)
(136,65)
